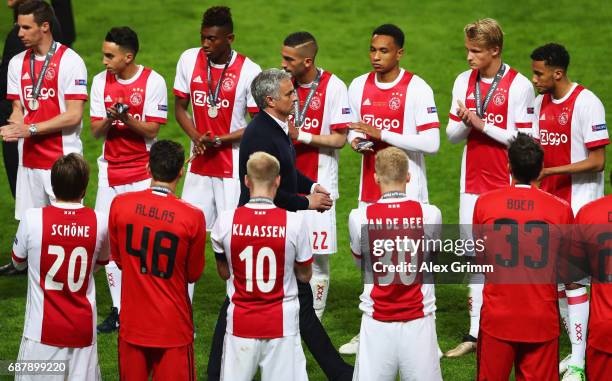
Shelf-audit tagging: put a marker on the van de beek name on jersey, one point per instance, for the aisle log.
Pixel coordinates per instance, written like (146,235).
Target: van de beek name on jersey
(259,231)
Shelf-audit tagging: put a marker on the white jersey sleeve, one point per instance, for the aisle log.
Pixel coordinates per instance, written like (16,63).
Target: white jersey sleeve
(355,92)
(420,101)
(72,79)
(250,73)
(184,69)
(591,119)
(96,101)
(300,239)
(103,243)
(356,220)
(13,85)
(432,221)
(156,101)
(220,230)
(520,113)
(456,131)
(341,113)
(20,245)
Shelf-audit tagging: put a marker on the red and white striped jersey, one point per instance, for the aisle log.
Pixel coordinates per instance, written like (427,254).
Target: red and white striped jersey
(569,128)
(397,301)
(262,243)
(401,108)
(593,227)
(65,79)
(125,153)
(328,110)
(234,101)
(61,244)
(484,165)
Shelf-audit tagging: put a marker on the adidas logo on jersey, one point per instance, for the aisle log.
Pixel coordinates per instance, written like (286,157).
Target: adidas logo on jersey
(543,117)
(471,96)
(108,99)
(26,76)
(367,102)
(198,79)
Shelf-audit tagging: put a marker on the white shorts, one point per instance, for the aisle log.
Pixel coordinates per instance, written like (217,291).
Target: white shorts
(33,190)
(212,195)
(106,194)
(467,202)
(82,363)
(279,359)
(322,227)
(409,347)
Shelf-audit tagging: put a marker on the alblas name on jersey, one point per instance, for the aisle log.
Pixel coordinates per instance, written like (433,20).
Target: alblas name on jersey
(155,213)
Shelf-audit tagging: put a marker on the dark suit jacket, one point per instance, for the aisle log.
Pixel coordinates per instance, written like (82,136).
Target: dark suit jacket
(264,134)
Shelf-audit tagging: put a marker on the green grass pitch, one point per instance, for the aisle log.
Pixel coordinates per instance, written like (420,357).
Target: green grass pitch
(434,50)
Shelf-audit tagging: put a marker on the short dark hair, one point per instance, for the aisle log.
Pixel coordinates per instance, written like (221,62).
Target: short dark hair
(41,11)
(69,177)
(392,31)
(218,16)
(554,55)
(300,38)
(526,158)
(125,37)
(166,160)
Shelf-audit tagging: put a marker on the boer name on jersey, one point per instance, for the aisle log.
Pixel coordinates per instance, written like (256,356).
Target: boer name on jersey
(526,233)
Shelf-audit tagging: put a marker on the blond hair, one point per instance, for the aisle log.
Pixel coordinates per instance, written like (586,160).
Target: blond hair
(486,33)
(391,165)
(262,168)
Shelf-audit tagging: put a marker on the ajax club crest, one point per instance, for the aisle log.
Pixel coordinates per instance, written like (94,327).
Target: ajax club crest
(136,97)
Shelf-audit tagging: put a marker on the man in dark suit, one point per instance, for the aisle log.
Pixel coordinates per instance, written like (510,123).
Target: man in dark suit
(273,92)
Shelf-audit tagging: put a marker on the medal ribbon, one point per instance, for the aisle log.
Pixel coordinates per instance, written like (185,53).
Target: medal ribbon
(482,107)
(212,96)
(43,70)
(300,115)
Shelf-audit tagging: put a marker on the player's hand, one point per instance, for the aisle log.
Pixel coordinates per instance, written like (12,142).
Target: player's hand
(318,188)
(357,141)
(365,128)
(207,140)
(13,131)
(293,131)
(544,174)
(198,148)
(319,201)
(469,117)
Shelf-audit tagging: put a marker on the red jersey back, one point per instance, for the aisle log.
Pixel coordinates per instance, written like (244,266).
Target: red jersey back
(158,241)
(524,229)
(593,238)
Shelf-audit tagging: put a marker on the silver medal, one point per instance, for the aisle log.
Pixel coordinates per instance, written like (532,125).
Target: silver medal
(212,111)
(33,104)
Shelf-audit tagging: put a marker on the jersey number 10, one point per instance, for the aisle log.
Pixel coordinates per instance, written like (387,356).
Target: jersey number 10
(263,254)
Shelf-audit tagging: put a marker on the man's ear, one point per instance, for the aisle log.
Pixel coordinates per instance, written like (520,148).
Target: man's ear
(247,181)
(376,179)
(277,181)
